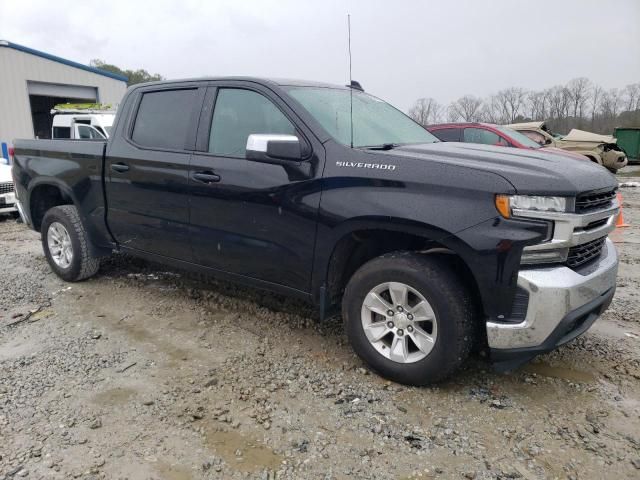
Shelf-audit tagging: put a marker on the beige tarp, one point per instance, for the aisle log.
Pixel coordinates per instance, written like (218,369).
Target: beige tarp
(576,135)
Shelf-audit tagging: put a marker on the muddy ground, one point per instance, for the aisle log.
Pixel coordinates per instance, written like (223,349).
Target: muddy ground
(146,373)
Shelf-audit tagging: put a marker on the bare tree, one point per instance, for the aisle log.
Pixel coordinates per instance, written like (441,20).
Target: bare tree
(559,107)
(491,112)
(562,107)
(512,102)
(426,111)
(452,114)
(611,103)
(596,99)
(467,108)
(632,97)
(537,105)
(578,90)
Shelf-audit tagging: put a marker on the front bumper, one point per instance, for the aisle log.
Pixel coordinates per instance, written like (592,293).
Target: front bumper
(563,303)
(614,159)
(8,202)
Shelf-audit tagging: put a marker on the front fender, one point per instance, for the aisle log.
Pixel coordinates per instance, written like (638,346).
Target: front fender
(490,249)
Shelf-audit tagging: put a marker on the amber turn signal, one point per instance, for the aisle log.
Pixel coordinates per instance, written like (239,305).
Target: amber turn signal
(503,205)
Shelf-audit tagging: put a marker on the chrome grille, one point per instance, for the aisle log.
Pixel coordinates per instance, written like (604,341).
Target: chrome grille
(581,254)
(6,187)
(589,201)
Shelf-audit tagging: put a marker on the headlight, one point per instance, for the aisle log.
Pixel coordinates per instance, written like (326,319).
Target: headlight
(505,204)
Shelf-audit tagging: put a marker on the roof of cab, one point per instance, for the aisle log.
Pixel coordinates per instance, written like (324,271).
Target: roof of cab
(525,125)
(438,126)
(280,82)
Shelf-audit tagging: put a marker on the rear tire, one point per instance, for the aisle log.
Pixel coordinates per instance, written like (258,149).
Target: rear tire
(433,349)
(66,244)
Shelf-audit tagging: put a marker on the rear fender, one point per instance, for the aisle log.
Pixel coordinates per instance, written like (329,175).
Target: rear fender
(89,221)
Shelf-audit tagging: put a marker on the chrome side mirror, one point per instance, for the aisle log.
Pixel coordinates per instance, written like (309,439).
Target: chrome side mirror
(273,148)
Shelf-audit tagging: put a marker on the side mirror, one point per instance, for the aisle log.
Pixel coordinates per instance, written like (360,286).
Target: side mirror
(271,148)
(548,141)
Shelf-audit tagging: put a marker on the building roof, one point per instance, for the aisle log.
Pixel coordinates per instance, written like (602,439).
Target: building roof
(54,58)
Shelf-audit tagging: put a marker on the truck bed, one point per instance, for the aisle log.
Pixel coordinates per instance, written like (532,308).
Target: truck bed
(75,166)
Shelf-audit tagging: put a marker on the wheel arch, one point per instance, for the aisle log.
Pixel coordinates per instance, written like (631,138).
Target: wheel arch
(358,241)
(45,194)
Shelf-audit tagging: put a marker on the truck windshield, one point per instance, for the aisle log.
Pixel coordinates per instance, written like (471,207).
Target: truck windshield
(518,137)
(375,122)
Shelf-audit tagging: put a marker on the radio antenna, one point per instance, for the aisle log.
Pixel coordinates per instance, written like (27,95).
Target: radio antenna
(350,79)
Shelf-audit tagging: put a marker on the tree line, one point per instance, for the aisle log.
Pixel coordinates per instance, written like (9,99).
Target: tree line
(134,76)
(578,104)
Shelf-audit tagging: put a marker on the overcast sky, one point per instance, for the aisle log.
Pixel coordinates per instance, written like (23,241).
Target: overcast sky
(402,50)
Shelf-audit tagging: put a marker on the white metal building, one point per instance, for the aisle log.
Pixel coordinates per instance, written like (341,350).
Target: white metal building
(32,82)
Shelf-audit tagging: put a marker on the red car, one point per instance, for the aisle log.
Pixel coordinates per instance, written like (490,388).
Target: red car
(489,134)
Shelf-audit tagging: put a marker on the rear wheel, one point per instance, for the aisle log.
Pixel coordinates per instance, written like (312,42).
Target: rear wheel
(66,244)
(409,317)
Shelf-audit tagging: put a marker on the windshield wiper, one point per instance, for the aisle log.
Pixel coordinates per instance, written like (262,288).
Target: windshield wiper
(384,146)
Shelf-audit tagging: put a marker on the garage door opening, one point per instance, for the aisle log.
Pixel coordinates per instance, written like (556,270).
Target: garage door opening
(44,96)
(41,112)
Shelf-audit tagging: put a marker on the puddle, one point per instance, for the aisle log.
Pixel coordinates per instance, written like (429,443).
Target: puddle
(142,335)
(16,349)
(563,373)
(172,472)
(114,396)
(255,456)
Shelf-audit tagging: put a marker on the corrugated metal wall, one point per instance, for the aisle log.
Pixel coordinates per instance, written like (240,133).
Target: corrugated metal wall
(16,68)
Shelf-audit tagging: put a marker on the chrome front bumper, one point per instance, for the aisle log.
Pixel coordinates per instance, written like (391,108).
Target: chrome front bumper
(554,293)
(7,202)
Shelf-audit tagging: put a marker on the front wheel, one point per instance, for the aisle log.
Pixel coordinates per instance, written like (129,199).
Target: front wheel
(409,317)
(66,244)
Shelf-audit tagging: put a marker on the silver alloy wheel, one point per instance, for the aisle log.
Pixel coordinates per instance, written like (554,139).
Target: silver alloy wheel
(399,322)
(60,246)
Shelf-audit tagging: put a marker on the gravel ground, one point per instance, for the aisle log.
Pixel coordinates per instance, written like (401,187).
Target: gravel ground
(144,373)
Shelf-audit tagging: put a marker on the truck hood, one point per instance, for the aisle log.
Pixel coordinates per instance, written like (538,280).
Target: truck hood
(533,172)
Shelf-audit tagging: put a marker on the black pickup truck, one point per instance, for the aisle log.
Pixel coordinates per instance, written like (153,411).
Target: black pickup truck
(330,194)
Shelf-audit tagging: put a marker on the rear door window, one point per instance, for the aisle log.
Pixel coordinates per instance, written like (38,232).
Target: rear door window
(239,113)
(447,134)
(164,118)
(478,135)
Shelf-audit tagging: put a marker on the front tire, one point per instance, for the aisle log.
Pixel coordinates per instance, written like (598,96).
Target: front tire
(66,244)
(409,317)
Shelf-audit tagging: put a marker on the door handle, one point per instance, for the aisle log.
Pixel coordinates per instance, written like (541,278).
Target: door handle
(119,167)
(205,177)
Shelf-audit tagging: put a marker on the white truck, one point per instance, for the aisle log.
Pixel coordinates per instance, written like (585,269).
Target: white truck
(7,189)
(81,123)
